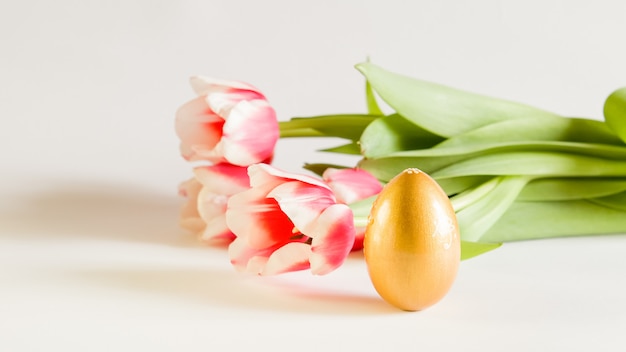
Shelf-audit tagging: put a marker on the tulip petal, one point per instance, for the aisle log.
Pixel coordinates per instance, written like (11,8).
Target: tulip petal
(222,103)
(189,216)
(358,239)
(302,203)
(244,145)
(219,182)
(293,256)
(203,85)
(198,127)
(216,231)
(351,185)
(210,204)
(333,238)
(258,220)
(247,259)
(263,173)
(223,178)
(240,254)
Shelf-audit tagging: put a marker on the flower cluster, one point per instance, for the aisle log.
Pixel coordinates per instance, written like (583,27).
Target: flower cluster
(273,221)
(511,171)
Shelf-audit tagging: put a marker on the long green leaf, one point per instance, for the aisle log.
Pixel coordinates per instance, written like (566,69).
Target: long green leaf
(477,149)
(455,185)
(319,168)
(475,219)
(370,98)
(442,110)
(537,164)
(473,249)
(434,159)
(349,126)
(614,201)
(615,112)
(558,189)
(532,129)
(386,168)
(536,220)
(350,148)
(389,134)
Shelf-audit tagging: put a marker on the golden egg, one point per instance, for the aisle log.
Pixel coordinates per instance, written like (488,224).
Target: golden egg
(412,245)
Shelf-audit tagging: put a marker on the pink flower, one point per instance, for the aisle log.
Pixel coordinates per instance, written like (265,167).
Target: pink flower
(288,222)
(349,186)
(228,122)
(208,195)
(189,217)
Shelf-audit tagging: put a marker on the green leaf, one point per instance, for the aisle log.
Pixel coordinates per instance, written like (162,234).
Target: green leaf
(442,110)
(300,132)
(477,217)
(615,201)
(363,207)
(372,104)
(537,164)
(350,148)
(394,133)
(455,185)
(615,112)
(473,249)
(319,168)
(468,161)
(472,195)
(386,168)
(537,220)
(482,148)
(348,126)
(532,129)
(558,189)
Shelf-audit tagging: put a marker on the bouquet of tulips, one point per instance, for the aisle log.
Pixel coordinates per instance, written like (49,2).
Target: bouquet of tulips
(510,171)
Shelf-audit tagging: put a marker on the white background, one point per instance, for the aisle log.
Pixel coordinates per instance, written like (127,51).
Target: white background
(91,256)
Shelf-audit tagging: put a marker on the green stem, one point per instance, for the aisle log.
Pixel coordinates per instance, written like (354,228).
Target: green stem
(360,221)
(286,131)
(472,195)
(349,126)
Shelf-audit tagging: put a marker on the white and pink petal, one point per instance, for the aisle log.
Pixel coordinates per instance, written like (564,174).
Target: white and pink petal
(333,238)
(244,144)
(351,185)
(293,256)
(302,203)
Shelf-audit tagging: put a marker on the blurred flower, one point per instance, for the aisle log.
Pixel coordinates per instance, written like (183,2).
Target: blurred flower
(219,182)
(228,122)
(189,216)
(208,193)
(288,222)
(349,186)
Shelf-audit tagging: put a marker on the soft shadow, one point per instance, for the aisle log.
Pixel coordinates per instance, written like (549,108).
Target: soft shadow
(96,211)
(210,287)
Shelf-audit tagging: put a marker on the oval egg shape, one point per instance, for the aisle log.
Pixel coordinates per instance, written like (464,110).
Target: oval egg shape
(412,245)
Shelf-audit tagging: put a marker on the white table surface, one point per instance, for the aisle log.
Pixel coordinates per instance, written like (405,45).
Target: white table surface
(92,258)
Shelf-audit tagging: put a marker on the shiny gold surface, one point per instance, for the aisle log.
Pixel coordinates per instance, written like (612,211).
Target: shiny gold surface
(412,244)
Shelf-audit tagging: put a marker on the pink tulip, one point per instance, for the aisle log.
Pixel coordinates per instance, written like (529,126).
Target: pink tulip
(349,186)
(288,222)
(210,190)
(228,122)
(189,217)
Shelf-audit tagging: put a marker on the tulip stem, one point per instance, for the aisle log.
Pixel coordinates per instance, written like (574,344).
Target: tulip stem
(360,221)
(286,132)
